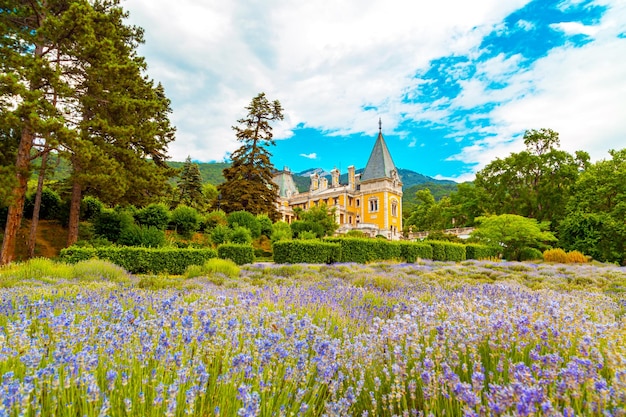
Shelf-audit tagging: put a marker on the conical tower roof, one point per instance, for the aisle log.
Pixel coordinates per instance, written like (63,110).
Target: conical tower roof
(380,165)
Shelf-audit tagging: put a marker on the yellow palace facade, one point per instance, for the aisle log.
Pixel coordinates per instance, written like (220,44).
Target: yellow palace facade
(370,201)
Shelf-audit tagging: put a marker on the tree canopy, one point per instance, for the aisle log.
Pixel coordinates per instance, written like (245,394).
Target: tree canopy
(249,184)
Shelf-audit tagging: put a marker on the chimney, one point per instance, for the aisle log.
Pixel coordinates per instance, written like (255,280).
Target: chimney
(315,182)
(335,176)
(351,179)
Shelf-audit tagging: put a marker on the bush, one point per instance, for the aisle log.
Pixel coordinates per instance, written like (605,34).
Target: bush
(185,220)
(455,252)
(50,208)
(214,219)
(356,234)
(97,270)
(155,215)
(245,219)
(476,251)
(555,255)
(439,249)
(241,235)
(239,254)
(142,260)
(367,250)
(300,226)
(149,237)
(110,223)
(530,254)
(306,251)
(266,225)
(412,251)
(220,234)
(90,208)
(576,257)
(214,266)
(281,231)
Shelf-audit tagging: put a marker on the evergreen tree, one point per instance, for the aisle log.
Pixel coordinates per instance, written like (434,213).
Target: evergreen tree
(249,183)
(190,189)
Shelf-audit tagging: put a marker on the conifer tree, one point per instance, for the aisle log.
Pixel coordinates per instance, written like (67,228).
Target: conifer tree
(190,191)
(248,184)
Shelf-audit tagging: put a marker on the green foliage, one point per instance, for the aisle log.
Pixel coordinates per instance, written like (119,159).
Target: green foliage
(319,215)
(190,190)
(475,251)
(238,253)
(146,236)
(214,266)
(213,219)
(245,219)
(110,223)
(356,234)
(266,225)
(512,233)
(443,237)
(50,208)
(367,250)
(412,251)
(455,252)
(90,208)
(155,214)
(220,234)
(185,220)
(530,254)
(281,231)
(306,251)
(138,260)
(534,183)
(249,184)
(301,229)
(241,235)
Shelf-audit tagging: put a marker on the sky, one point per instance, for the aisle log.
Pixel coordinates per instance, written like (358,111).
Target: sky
(455,83)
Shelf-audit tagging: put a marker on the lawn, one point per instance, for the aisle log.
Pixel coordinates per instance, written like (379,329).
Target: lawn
(431,338)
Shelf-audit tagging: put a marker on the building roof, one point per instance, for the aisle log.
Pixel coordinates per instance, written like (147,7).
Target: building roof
(286,184)
(380,165)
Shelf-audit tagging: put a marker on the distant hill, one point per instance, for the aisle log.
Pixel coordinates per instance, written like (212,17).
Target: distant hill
(211,172)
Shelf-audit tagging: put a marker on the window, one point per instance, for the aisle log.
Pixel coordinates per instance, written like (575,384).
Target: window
(394,208)
(373,205)
(358,202)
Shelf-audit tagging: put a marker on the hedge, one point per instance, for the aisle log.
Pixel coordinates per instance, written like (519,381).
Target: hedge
(306,251)
(439,249)
(447,251)
(137,260)
(412,251)
(238,253)
(363,250)
(475,251)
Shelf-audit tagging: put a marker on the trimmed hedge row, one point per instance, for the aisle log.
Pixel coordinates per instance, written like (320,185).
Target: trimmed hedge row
(474,251)
(238,253)
(306,251)
(412,251)
(363,250)
(447,251)
(138,260)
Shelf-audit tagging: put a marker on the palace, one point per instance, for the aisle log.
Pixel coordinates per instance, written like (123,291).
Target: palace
(370,202)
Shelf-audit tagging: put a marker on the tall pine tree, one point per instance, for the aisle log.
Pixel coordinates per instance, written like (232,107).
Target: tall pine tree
(248,184)
(190,186)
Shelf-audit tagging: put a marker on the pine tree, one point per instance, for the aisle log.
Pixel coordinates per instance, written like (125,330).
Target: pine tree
(248,184)
(190,186)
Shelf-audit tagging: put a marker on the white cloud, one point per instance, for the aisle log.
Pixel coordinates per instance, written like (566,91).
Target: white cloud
(323,60)
(312,155)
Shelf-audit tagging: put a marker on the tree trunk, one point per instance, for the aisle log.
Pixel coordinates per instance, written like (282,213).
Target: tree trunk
(32,239)
(16,209)
(72,235)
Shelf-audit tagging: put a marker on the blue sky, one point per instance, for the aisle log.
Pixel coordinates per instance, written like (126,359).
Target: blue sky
(455,83)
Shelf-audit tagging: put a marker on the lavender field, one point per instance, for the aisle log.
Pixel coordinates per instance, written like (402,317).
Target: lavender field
(431,338)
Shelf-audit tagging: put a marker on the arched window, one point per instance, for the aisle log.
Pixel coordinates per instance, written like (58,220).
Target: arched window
(373,205)
(394,208)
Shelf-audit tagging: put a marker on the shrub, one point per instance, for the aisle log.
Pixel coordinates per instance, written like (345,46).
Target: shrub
(476,251)
(412,251)
(307,235)
(156,215)
(241,235)
(97,269)
(367,250)
(90,208)
(214,219)
(555,255)
(221,266)
(138,260)
(300,226)
(220,234)
(266,224)
(442,236)
(245,219)
(439,249)
(356,234)
(530,254)
(110,223)
(149,237)
(185,220)
(455,252)
(576,257)
(239,254)
(50,207)
(306,251)
(281,231)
